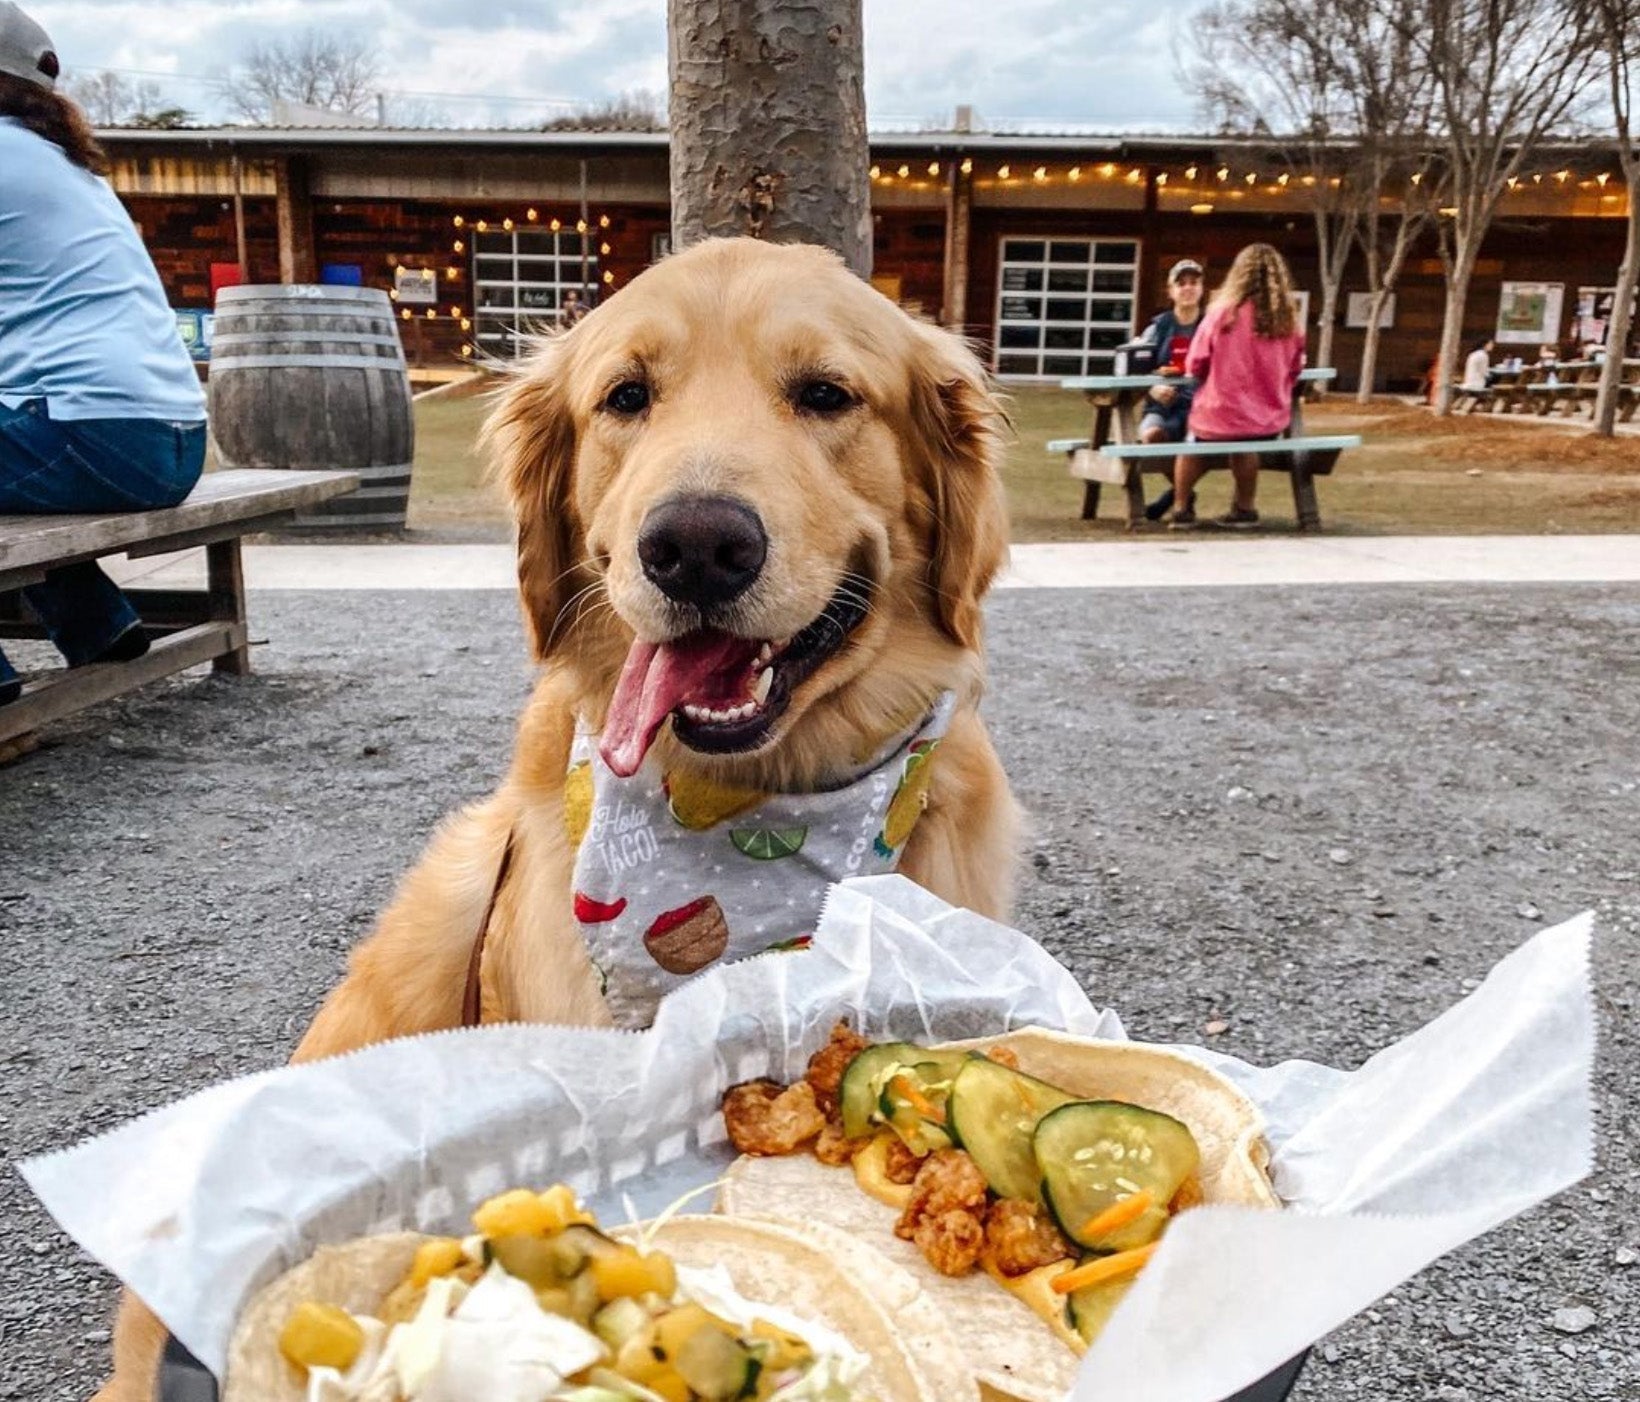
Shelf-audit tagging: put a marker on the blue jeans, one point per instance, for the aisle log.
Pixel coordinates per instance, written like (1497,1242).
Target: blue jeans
(48,467)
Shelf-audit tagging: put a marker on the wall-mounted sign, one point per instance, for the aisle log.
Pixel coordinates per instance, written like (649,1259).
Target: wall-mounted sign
(415,287)
(1529,312)
(1359,307)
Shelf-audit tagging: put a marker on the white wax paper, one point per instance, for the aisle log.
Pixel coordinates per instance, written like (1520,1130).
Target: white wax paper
(1466,1122)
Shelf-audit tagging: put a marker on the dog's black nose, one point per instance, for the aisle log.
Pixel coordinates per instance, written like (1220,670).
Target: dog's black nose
(702,550)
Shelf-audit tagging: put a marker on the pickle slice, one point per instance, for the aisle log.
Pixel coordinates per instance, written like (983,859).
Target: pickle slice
(993,1113)
(1094,1153)
(861,1090)
(1091,1307)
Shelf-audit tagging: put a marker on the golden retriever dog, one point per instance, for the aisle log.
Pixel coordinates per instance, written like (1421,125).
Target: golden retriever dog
(758,507)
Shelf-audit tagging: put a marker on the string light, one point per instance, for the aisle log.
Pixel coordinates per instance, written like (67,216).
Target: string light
(580,226)
(1282,179)
(1224,173)
(603,221)
(1135,176)
(967,165)
(933,167)
(603,248)
(1417,177)
(531,215)
(405,313)
(1161,177)
(481,226)
(507,224)
(1076,172)
(905,172)
(554,226)
(1601,179)
(459,221)
(454,313)
(1252,177)
(1190,172)
(1040,173)
(1002,172)
(1108,169)
(460,247)
(609,277)
(876,172)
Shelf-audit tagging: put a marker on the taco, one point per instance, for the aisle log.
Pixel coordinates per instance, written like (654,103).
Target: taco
(1023,1180)
(540,1305)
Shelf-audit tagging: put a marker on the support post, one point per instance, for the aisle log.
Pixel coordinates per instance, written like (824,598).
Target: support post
(297,261)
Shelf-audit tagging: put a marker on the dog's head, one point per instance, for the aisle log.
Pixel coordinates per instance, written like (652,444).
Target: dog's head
(784,489)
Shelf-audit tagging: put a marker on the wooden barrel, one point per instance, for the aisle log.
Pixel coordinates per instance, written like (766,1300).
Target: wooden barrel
(314,377)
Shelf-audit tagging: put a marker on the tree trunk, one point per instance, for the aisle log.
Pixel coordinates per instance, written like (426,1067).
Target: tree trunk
(1369,345)
(768,123)
(1328,315)
(1617,334)
(1457,297)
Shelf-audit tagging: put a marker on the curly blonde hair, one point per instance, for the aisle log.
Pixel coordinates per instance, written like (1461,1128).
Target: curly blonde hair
(1260,275)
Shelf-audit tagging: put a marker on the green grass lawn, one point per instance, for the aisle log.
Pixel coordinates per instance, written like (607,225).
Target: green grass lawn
(1415,475)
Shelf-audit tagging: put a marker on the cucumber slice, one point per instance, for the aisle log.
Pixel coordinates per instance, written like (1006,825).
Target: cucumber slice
(921,1133)
(1093,1153)
(1089,1308)
(867,1074)
(715,1366)
(993,1113)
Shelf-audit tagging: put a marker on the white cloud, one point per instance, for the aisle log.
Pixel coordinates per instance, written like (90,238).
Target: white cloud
(1103,62)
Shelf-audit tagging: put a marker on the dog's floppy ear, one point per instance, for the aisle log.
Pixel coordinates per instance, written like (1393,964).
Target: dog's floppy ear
(959,426)
(530,438)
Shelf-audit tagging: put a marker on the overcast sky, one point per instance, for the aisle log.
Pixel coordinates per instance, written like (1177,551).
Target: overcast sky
(1102,63)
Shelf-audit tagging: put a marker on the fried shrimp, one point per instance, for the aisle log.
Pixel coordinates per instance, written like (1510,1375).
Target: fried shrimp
(1019,1237)
(765,1119)
(827,1065)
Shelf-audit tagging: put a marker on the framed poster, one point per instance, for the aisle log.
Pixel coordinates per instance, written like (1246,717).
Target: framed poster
(415,287)
(1529,313)
(1359,307)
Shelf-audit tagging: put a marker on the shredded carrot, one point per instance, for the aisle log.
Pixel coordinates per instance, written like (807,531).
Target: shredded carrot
(906,1089)
(1118,1214)
(1105,1268)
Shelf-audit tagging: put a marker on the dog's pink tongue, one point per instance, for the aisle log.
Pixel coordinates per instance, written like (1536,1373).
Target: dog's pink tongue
(660,677)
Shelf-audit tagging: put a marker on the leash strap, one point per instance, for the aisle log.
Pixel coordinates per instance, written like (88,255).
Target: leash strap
(472,1006)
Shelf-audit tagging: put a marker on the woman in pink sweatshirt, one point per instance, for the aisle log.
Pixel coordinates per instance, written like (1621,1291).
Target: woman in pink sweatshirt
(1246,357)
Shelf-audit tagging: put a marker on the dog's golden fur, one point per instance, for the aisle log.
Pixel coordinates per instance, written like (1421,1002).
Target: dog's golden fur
(903,486)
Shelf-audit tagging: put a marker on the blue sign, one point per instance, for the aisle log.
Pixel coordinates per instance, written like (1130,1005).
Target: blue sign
(194,325)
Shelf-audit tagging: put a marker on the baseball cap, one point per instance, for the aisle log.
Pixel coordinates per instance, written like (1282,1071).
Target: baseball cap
(1183,266)
(25,49)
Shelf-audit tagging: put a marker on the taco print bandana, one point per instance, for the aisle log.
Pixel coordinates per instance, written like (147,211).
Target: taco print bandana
(674,874)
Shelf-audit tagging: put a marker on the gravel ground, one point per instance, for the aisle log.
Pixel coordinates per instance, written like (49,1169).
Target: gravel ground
(1291,822)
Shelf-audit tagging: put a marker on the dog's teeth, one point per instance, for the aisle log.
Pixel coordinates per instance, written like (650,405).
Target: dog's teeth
(764,653)
(760,692)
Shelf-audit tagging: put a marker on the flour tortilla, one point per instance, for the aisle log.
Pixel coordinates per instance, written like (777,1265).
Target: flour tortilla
(820,1275)
(1011,1349)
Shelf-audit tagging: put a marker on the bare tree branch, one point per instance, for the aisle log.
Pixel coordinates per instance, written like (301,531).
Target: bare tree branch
(335,72)
(1619,37)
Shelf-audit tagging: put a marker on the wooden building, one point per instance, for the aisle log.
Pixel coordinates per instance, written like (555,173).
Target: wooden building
(1048,251)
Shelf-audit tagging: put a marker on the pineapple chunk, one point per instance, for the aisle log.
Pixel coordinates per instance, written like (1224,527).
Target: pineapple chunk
(437,1257)
(518,1213)
(628,1272)
(321,1336)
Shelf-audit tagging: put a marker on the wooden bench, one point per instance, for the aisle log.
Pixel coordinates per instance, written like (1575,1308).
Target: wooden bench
(185,626)
(1302,459)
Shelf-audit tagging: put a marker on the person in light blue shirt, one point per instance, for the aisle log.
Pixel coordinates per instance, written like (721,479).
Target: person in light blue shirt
(100,407)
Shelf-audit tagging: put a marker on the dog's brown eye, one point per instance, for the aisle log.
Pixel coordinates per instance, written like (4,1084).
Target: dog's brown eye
(823,397)
(628,397)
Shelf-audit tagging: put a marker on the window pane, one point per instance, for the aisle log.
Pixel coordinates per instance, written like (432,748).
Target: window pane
(494,243)
(1110,309)
(1067,309)
(1105,338)
(1023,251)
(1062,364)
(1112,280)
(1111,252)
(1021,308)
(1017,365)
(1022,279)
(1067,280)
(494,269)
(1070,252)
(1063,338)
(1018,337)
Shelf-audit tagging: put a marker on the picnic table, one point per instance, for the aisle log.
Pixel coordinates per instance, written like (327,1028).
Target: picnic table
(1116,401)
(1565,386)
(185,626)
